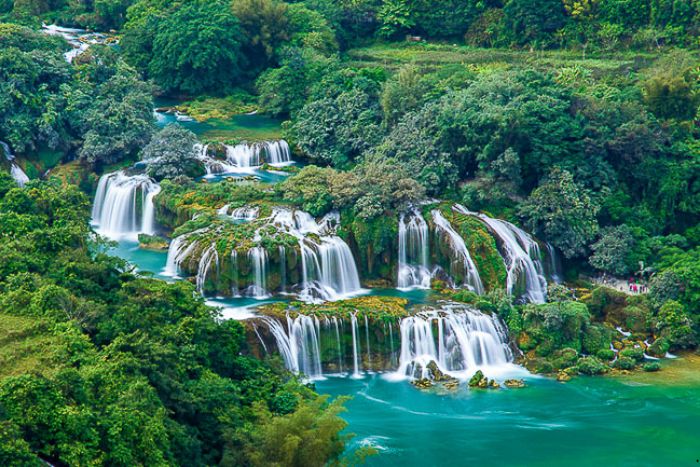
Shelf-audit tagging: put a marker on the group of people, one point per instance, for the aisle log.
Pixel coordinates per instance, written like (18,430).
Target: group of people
(634,287)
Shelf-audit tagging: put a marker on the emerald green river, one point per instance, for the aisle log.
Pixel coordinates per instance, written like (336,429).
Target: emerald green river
(627,421)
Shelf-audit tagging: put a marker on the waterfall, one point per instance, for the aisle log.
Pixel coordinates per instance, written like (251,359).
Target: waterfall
(277,153)
(355,347)
(115,212)
(459,339)
(178,251)
(283,267)
(328,270)
(554,263)
(328,267)
(522,256)
(337,339)
(244,213)
(245,157)
(258,258)
(299,344)
(15,170)
(209,256)
(234,273)
(72,36)
(413,268)
(459,248)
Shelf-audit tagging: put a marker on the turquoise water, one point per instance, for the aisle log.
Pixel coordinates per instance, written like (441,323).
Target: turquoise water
(145,261)
(588,421)
(265,176)
(243,127)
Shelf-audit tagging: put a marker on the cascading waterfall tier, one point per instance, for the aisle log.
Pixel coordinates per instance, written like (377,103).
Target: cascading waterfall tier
(463,259)
(244,157)
(413,268)
(458,339)
(15,170)
(521,256)
(244,213)
(123,205)
(325,267)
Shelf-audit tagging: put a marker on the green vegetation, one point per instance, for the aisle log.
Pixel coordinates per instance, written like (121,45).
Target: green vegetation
(576,119)
(206,108)
(377,308)
(88,347)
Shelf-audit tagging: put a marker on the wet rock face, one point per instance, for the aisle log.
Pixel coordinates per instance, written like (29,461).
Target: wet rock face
(432,376)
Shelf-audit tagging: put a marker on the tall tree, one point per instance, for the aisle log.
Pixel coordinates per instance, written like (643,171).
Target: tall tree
(197,49)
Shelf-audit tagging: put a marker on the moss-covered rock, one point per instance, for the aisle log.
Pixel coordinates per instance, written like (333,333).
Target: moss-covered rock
(634,353)
(152,242)
(564,358)
(482,247)
(591,366)
(624,363)
(514,383)
(659,348)
(476,379)
(606,355)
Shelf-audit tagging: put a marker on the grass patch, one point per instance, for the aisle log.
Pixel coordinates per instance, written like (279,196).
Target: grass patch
(27,346)
(206,108)
(373,306)
(434,56)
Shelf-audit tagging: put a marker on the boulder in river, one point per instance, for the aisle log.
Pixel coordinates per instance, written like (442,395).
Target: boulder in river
(514,383)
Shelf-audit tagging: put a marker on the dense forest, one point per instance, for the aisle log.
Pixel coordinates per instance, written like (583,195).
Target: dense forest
(576,120)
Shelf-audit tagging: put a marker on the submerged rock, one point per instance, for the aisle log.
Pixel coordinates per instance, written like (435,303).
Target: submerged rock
(514,383)
(451,385)
(563,377)
(423,383)
(435,372)
(432,375)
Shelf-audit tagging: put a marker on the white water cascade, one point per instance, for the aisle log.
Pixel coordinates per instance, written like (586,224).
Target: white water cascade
(209,257)
(328,267)
(277,152)
(245,157)
(123,205)
(15,170)
(244,213)
(459,248)
(328,270)
(459,339)
(554,264)
(258,258)
(178,251)
(298,344)
(72,36)
(522,257)
(413,268)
